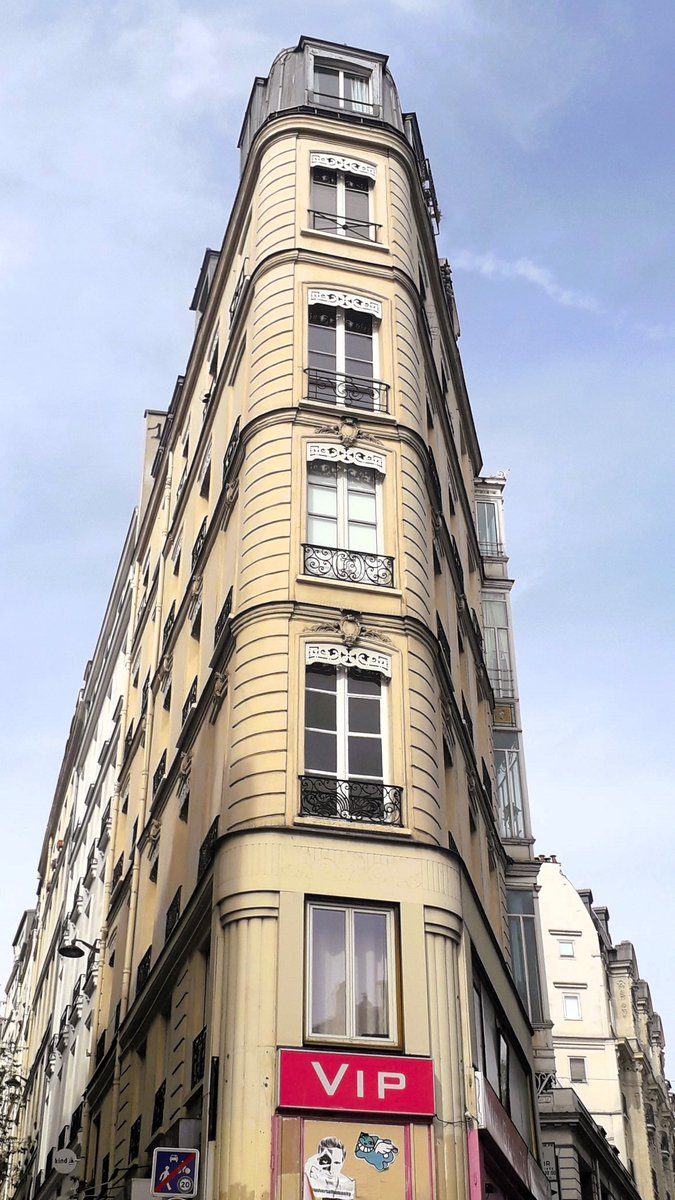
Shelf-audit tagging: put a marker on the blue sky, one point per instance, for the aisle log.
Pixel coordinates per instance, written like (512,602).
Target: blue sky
(550,132)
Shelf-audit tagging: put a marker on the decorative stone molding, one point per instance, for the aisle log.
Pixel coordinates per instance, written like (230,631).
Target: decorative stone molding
(360,458)
(346,300)
(165,666)
(219,694)
(153,838)
(184,775)
(339,162)
(343,656)
(348,432)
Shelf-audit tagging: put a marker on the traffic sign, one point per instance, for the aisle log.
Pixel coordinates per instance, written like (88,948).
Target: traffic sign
(175,1172)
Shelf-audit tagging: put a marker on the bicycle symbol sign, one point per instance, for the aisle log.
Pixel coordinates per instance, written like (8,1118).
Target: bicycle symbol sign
(175,1172)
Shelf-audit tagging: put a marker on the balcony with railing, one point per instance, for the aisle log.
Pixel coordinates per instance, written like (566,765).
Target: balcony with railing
(117,874)
(207,850)
(169,624)
(353,391)
(158,777)
(143,970)
(128,739)
(198,1058)
(502,682)
(190,701)
(76,1121)
(491,549)
(351,800)
(454,551)
(91,973)
(199,542)
(91,867)
(241,287)
(231,449)
(106,822)
(223,618)
(172,916)
(446,652)
(100,1050)
(135,1140)
(158,1107)
(323,222)
(351,566)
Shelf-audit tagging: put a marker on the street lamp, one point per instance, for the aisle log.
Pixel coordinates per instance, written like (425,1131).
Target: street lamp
(71,949)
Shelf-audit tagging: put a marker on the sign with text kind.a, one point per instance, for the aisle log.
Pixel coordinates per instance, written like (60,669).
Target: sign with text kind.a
(358,1083)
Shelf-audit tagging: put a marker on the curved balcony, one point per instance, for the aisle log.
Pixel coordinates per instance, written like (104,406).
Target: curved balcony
(353,391)
(351,566)
(350,800)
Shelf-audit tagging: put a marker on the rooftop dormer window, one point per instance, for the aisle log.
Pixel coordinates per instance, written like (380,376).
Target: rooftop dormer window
(338,87)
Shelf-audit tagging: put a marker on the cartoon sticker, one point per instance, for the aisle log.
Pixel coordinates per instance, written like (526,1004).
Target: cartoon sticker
(379,1152)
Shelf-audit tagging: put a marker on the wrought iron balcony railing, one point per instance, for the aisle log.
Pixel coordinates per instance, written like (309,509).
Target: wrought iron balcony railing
(169,624)
(143,970)
(190,701)
(353,566)
(135,1140)
(100,1049)
(198,1058)
(442,636)
(491,549)
(223,618)
(325,222)
(342,103)
(172,916)
(158,1107)
(350,799)
(238,294)
(231,447)
(160,772)
(332,387)
(207,850)
(199,542)
(117,873)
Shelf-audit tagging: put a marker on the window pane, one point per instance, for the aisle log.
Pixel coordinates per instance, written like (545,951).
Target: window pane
(356,92)
(365,758)
(322,532)
(519,901)
(363,538)
(357,207)
(566,949)
(361,508)
(364,715)
(487,524)
(328,963)
(361,683)
(518,958)
(320,710)
(322,324)
(572,1007)
(371,983)
(577,1070)
(321,677)
(323,499)
(520,1099)
(532,969)
(320,753)
(326,83)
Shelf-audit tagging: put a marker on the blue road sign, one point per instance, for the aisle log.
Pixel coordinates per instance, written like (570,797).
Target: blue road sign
(175,1172)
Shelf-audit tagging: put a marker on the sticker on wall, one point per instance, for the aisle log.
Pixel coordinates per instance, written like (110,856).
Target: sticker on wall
(379,1152)
(324,1177)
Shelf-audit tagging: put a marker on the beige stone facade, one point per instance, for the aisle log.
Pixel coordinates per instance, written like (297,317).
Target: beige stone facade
(305,848)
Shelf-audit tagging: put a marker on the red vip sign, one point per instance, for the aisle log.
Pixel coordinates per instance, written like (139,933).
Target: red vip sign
(359,1083)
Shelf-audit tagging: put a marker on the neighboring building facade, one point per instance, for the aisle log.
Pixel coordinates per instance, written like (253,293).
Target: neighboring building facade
(609,1043)
(315,892)
(580,1162)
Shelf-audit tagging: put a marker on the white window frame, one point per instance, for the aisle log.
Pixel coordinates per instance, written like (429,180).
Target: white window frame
(342,730)
(350,1036)
(498,648)
(346,65)
(566,942)
(490,549)
(341,302)
(343,167)
(578,1059)
(515,832)
(572,996)
(342,458)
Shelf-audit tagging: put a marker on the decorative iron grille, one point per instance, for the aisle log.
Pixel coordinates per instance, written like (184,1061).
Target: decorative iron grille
(238,293)
(172,916)
(169,624)
(198,1058)
(135,1139)
(159,774)
(332,387)
(76,1120)
(105,823)
(199,542)
(100,1049)
(117,872)
(435,483)
(350,799)
(207,850)
(143,970)
(353,566)
(367,231)
(158,1106)
(443,643)
(223,618)
(457,561)
(231,448)
(190,701)
(502,681)
(128,739)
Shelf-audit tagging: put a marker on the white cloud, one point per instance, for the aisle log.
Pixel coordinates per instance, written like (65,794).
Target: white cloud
(492,267)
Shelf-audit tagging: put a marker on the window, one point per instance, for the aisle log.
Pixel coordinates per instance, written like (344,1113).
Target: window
(509,789)
(342,360)
(496,641)
(347,88)
(488,528)
(340,199)
(578,1070)
(351,974)
(343,518)
(520,907)
(497,1057)
(566,949)
(345,748)
(572,1006)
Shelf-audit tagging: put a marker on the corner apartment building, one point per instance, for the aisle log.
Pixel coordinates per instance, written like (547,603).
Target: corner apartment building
(609,1043)
(316,889)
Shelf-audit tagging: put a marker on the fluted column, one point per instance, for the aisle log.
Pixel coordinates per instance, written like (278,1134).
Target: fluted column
(247,989)
(443,932)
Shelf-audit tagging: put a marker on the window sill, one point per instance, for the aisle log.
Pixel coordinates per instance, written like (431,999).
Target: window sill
(341,239)
(375,589)
(353,827)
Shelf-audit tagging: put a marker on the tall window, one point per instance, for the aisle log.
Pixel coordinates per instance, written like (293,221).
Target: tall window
(341,203)
(342,506)
(335,87)
(520,906)
(351,974)
(572,1006)
(488,528)
(497,1057)
(496,641)
(343,723)
(341,356)
(578,1070)
(509,788)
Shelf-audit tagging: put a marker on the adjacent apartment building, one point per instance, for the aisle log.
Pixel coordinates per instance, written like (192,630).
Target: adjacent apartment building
(609,1043)
(291,834)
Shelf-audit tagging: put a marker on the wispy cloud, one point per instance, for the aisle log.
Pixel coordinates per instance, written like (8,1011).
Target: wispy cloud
(492,267)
